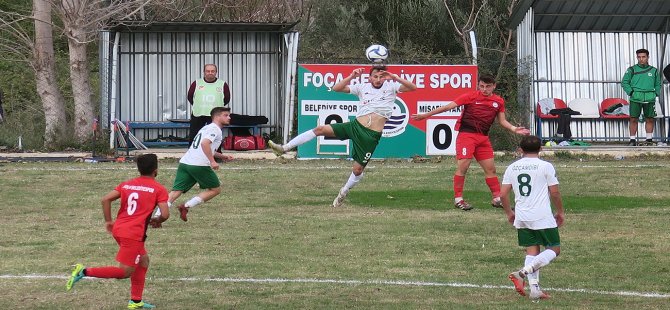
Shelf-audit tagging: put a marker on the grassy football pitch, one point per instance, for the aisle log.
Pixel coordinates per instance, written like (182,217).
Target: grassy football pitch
(271,241)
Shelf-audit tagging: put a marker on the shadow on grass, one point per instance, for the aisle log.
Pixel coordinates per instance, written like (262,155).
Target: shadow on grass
(573,203)
(442,199)
(414,199)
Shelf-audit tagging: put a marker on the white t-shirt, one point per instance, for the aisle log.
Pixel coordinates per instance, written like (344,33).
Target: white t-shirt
(372,100)
(195,156)
(530,179)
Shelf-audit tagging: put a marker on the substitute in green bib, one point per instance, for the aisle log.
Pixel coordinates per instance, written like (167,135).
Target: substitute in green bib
(204,95)
(642,83)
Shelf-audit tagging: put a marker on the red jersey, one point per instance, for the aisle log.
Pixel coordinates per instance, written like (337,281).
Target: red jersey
(479,111)
(139,197)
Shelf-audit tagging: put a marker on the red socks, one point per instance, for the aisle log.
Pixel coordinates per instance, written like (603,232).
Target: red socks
(137,282)
(459,183)
(106,272)
(137,279)
(494,185)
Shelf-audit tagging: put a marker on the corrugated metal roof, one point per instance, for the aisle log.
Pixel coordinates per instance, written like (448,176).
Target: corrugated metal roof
(596,15)
(144,26)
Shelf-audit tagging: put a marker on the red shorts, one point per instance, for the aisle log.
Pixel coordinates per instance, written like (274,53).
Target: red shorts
(130,251)
(475,145)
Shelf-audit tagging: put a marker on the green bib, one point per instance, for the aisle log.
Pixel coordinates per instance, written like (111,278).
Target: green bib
(207,96)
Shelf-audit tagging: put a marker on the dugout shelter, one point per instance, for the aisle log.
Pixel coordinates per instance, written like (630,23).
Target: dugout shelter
(578,51)
(146,69)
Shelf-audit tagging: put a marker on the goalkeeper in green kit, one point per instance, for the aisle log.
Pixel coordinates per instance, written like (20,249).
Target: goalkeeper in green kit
(642,83)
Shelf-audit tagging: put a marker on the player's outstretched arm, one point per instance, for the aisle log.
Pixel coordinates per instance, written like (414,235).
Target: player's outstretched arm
(444,108)
(520,130)
(343,85)
(405,85)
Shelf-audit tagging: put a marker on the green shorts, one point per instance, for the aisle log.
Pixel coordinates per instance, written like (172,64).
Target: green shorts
(188,175)
(365,139)
(649,109)
(547,237)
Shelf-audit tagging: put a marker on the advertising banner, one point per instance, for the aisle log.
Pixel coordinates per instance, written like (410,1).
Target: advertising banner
(402,137)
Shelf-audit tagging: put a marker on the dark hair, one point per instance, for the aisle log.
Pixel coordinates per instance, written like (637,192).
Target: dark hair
(147,163)
(218,110)
(642,50)
(530,144)
(377,67)
(487,78)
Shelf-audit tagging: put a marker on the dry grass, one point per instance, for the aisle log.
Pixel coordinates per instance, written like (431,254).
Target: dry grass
(273,221)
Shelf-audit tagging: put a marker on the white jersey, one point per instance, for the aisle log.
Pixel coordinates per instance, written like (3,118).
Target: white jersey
(372,100)
(195,156)
(530,179)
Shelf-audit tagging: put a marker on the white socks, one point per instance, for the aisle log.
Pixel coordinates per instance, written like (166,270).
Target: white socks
(299,140)
(649,134)
(189,204)
(540,261)
(353,180)
(193,202)
(534,277)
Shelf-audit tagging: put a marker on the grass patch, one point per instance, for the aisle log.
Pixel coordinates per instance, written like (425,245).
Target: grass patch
(273,221)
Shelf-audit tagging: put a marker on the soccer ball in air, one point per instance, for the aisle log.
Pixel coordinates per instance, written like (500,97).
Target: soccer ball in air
(376,53)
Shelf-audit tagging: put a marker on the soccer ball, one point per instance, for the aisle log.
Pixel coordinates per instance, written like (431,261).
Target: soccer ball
(376,53)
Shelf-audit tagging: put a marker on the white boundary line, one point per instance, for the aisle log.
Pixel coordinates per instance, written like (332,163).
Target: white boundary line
(316,167)
(366,282)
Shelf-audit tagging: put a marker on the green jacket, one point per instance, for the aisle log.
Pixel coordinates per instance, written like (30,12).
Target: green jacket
(642,84)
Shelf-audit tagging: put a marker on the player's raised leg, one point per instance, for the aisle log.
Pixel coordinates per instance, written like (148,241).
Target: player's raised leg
(279,149)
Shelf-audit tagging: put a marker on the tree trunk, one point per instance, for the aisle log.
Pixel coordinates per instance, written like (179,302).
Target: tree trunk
(74,17)
(81,89)
(45,74)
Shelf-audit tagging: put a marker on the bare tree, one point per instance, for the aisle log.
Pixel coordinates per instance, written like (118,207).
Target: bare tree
(82,21)
(507,36)
(464,20)
(35,49)
(271,11)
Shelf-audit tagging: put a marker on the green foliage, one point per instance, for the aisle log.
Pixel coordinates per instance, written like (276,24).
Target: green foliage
(333,31)
(351,26)
(417,32)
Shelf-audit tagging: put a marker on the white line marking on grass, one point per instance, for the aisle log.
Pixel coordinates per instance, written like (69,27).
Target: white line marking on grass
(175,168)
(318,167)
(366,282)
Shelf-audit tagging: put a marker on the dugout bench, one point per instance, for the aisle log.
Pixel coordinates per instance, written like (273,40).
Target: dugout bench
(171,140)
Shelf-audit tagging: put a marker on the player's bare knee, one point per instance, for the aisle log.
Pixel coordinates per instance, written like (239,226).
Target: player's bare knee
(556,249)
(357,170)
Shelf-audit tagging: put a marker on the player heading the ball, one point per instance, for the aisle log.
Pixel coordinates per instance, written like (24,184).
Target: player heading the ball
(379,95)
